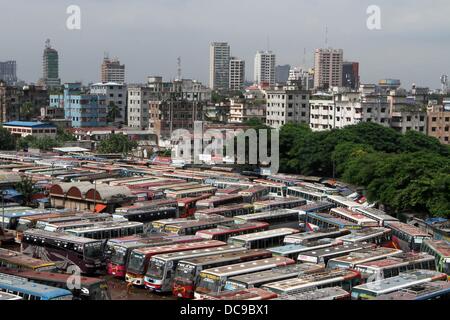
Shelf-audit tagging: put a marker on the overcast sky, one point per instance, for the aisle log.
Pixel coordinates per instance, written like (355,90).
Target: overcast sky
(148,35)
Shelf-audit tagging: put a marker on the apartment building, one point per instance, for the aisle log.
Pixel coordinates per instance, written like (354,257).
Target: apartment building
(439,121)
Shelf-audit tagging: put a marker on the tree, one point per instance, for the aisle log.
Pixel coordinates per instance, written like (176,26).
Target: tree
(117,143)
(26,111)
(26,188)
(113,112)
(7,141)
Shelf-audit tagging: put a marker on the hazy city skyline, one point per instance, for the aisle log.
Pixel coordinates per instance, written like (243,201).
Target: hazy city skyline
(148,36)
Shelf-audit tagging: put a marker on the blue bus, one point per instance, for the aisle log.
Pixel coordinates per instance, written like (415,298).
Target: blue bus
(31,291)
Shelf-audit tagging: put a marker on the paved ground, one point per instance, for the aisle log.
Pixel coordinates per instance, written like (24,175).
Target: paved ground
(118,289)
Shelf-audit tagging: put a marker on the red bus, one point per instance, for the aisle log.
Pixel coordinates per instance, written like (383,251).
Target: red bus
(188,206)
(137,264)
(217,201)
(223,233)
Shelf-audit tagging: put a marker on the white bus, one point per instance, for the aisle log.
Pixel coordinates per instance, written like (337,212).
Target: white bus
(214,280)
(378,215)
(343,202)
(324,255)
(354,217)
(262,240)
(379,236)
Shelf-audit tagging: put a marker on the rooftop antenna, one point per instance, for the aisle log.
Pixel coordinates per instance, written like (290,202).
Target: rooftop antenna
(179,68)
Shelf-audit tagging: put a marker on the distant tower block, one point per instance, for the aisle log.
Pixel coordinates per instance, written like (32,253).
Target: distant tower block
(444,82)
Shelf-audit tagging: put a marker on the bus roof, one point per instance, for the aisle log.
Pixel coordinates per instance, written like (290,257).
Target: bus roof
(364,233)
(219,258)
(352,214)
(42,234)
(306,236)
(338,249)
(22,285)
(265,234)
(407,228)
(234,227)
(222,209)
(23,260)
(366,255)
(198,252)
(106,225)
(440,246)
(400,259)
(375,213)
(344,201)
(418,292)
(316,294)
(307,280)
(403,280)
(279,273)
(293,248)
(233,269)
(178,247)
(244,294)
(268,214)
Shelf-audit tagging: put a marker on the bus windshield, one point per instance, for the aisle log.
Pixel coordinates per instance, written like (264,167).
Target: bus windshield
(93,250)
(156,269)
(118,255)
(136,263)
(185,272)
(208,284)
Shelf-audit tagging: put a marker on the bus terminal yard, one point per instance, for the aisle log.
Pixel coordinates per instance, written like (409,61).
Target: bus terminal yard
(98,229)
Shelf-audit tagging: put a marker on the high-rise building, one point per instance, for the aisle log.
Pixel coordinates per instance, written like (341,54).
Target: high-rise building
(328,68)
(350,75)
(282,73)
(237,74)
(8,72)
(112,71)
(50,65)
(219,67)
(265,67)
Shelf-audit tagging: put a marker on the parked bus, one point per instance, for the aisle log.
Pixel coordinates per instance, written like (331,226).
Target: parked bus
(65,250)
(407,237)
(343,202)
(254,294)
(345,279)
(217,201)
(10,218)
(315,207)
(191,227)
(161,270)
(378,215)
(353,259)
(404,280)
(276,189)
(331,293)
(30,222)
(83,217)
(20,261)
(190,193)
(188,271)
(276,218)
(241,295)
(146,205)
(138,262)
(214,280)
(287,203)
(352,216)
(306,194)
(31,291)
(301,238)
(188,206)
(327,221)
(255,193)
(158,226)
(380,236)
(439,249)
(393,266)
(258,279)
(324,255)
(227,211)
(109,230)
(262,240)
(293,250)
(223,233)
(147,216)
(438,290)
(88,289)
(9,297)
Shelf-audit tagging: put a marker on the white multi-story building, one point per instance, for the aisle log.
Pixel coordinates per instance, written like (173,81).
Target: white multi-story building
(112,71)
(287,104)
(116,94)
(237,74)
(328,64)
(241,111)
(219,68)
(265,67)
(138,106)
